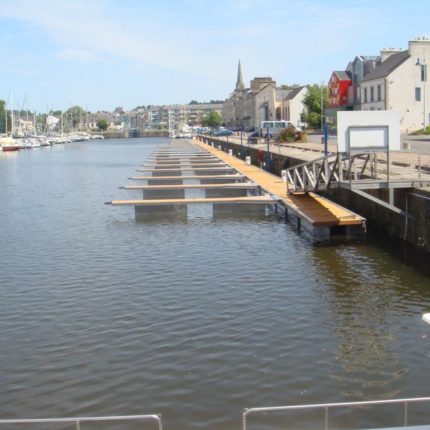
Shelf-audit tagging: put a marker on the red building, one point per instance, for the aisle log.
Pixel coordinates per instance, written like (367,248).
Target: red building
(338,89)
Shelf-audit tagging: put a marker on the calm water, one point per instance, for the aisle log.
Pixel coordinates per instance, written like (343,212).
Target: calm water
(100,315)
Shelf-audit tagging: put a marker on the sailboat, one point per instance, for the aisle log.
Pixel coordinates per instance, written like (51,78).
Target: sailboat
(8,143)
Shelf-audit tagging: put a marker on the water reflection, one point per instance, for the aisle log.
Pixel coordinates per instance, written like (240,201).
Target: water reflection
(365,300)
(193,318)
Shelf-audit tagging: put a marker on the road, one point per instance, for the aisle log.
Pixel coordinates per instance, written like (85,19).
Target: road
(418,144)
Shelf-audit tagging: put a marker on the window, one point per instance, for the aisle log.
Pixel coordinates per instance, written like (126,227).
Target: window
(372,94)
(379,90)
(423,72)
(417,94)
(365,95)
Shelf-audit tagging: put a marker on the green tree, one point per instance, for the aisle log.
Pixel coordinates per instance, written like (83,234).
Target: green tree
(102,124)
(212,119)
(2,116)
(193,102)
(75,116)
(312,101)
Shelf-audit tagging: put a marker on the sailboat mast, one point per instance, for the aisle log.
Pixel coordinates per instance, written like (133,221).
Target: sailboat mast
(5,110)
(12,114)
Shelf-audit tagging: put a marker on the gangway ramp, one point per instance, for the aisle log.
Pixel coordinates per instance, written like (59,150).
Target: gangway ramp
(310,207)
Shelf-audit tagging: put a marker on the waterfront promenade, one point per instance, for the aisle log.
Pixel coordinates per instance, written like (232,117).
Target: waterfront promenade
(407,163)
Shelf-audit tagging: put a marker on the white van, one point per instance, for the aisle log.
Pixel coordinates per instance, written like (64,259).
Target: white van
(275,127)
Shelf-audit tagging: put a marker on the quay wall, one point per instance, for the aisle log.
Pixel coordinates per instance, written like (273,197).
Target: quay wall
(110,134)
(411,226)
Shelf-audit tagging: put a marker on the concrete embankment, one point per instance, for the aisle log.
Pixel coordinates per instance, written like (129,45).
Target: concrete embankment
(134,133)
(410,224)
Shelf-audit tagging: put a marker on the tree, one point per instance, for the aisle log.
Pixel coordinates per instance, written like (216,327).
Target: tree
(193,102)
(75,116)
(312,101)
(212,119)
(2,116)
(102,124)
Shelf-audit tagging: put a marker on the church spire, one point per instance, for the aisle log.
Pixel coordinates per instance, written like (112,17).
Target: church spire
(239,82)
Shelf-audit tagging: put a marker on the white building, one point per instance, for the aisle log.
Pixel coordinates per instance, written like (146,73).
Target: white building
(400,83)
(293,105)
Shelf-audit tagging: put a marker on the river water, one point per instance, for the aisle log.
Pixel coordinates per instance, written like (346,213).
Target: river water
(197,319)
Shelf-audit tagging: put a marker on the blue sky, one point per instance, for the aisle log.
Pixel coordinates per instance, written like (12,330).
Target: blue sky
(106,53)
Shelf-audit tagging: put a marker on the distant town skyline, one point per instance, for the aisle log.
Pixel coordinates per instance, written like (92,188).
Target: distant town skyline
(103,54)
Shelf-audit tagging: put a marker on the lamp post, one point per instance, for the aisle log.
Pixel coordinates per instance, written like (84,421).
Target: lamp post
(423,70)
(322,107)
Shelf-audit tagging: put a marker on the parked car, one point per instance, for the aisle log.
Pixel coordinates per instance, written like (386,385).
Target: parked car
(275,127)
(253,137)
(222,132)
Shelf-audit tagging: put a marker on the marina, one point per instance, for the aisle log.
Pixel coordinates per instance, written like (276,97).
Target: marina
(193,318)
(319,216)
(230,239)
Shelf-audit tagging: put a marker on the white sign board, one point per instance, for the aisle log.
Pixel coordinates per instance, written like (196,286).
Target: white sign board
(363,131)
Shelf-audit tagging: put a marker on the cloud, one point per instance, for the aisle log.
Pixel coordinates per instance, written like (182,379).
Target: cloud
(176,47)
(80,55)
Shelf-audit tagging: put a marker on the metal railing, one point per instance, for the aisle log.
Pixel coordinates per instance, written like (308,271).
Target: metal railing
(327,406)
(78,421)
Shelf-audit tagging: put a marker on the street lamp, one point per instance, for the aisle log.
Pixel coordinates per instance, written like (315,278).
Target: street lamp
(322,107)
(423,69)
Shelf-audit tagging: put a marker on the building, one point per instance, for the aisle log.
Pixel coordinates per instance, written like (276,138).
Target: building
(174,117)
(338,87)
(400,83)
(343,86)
(293,105)
(246,108)
(358,69)
(115,120)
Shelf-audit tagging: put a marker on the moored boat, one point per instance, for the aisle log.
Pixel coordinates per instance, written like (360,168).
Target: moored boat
(8,144)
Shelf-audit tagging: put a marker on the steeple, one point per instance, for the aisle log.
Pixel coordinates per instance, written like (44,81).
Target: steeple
(239,82)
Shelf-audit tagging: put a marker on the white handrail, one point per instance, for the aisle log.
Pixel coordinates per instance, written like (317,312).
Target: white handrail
(327,406)
(78,420)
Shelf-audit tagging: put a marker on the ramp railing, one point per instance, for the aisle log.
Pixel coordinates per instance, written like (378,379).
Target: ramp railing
(327,407)
(324,172)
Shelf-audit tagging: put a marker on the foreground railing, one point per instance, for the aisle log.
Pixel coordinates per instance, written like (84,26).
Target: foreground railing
(78,421)
(326,407)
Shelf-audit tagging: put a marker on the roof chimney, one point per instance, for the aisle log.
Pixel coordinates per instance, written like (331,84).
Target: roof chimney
(388,52)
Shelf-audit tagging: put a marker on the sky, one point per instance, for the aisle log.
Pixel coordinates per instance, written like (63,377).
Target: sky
(101,54)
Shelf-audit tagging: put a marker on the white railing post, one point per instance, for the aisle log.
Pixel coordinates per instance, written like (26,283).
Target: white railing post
(326,418)
(405,414)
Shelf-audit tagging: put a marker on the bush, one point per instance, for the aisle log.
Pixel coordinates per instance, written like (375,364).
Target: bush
(422,131)
(290,134)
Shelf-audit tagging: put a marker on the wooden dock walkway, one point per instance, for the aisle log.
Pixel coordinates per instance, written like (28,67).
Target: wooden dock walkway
(230,185)
(196,169)
(262,200)
(227,180)
(316,210)
(237,176)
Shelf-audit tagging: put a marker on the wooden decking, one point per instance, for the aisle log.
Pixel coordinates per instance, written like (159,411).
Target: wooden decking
(178,178)
(196,157)
(197,169)
(228,186)
(263,200)
(315,209)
